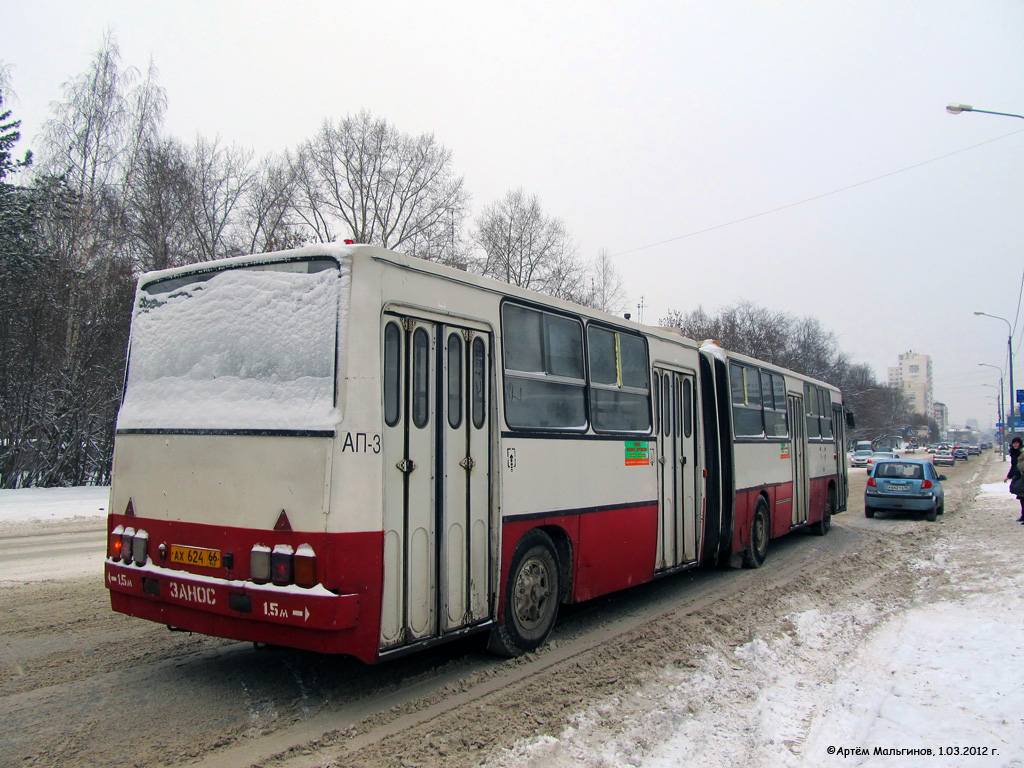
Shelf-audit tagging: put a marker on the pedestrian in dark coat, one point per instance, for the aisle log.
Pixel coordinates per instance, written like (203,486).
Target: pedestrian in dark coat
(1016,471)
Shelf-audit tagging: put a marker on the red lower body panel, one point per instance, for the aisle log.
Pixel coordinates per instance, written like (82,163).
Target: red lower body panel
(612,548)
(339,615)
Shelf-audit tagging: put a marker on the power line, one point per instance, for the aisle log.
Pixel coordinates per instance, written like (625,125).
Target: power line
(821,196)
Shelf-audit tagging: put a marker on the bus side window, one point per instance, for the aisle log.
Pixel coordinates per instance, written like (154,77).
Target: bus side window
(813,417)
(825,410)
(420,378)
(454,380)
(746,401)
(392,373)
(479,383)
(545,383)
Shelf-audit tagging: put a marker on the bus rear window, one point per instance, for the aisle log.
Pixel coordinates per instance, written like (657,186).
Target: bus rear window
(243,348)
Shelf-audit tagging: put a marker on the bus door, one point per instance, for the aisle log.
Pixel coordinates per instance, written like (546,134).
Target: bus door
(798,459)
(677,465)
(839,430)
(436,479)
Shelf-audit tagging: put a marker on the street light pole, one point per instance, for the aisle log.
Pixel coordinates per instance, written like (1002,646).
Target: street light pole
(1009,351)
(956,109)
(1001,412)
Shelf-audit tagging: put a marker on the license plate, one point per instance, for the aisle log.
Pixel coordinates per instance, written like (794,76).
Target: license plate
(896,487)
(205,558)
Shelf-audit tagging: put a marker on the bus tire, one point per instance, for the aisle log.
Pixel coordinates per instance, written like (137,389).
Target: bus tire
(760,533)
(822,527)
(531,597)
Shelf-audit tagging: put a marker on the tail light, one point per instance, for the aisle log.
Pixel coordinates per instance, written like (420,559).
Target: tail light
(140,547)
(115,543)
(926,484)
(872,483)
(126,545)
(283,566)
(281,562)
(259,564)
(305,566)
(129,545)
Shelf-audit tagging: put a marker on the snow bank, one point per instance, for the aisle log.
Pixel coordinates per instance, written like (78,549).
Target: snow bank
(53,503)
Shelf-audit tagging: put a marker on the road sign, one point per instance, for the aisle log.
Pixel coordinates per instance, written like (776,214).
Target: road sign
(1020,395)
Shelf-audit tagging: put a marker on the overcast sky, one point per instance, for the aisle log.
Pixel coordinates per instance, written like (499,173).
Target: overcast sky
(795,154)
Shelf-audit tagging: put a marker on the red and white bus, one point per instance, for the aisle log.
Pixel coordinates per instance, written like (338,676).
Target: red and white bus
(344,449)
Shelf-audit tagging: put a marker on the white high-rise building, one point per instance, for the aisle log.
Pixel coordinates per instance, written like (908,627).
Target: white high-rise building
(914,376)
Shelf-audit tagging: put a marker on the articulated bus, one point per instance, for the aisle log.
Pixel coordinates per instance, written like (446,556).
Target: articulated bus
(343,449)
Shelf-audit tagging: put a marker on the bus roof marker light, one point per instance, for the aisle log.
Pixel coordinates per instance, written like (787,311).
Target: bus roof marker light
(282,523)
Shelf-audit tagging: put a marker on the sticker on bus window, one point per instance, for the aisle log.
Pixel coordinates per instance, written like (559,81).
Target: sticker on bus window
(784,451)
(636,453)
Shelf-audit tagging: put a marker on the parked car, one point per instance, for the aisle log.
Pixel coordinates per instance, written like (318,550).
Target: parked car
(907,485)
(879,456)
(959,452)
(860,458)
(943,457)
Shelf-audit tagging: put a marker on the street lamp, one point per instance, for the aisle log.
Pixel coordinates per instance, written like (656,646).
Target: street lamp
(1001,412)
(956,109)
(1009,350)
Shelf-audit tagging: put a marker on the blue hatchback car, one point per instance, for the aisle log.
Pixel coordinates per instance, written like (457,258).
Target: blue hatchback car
(910,485)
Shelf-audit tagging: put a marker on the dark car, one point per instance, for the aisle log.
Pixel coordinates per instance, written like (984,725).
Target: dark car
(905,485)
(959,452)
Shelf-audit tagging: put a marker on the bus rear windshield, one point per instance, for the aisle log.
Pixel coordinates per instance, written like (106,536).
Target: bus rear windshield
(250,348)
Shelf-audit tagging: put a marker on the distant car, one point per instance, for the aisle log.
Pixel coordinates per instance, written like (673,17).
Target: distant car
(974,450)
(943,457)
(879,456)
(959,452)
(908,485)
(860,458)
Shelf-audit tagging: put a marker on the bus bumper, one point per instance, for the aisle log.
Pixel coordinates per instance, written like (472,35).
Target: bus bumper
(196,603)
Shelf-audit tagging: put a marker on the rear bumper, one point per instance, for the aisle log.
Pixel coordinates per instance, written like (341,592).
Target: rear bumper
(315,619)
(892,501)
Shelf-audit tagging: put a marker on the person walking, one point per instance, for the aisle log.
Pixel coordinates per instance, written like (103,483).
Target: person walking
(1016,473)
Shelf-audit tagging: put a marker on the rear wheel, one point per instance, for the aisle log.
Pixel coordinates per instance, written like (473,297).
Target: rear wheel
(531,597)
(760,533)
(868,511)
(822,527)
(933,513)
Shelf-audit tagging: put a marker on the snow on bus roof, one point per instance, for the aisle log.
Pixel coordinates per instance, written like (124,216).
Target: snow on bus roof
(338,251)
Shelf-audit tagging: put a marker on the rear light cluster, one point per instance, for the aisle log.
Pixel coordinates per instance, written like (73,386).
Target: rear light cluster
(128,545)
(283,565)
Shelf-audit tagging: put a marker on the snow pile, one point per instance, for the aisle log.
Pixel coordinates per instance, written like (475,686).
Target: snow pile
(245,349)
(53,503)
(946,674)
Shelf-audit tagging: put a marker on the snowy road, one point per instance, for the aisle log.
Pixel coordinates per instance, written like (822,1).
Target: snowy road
(892,633)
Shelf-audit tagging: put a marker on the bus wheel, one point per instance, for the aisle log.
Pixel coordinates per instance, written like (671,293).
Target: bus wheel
(531,597)
(760,532)
(822,527)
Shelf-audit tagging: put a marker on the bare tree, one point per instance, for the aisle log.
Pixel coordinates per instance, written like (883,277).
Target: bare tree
(383,186)
(605,290)
(93,142)
(221,178)
(159,208)
(268,217)
(524,247)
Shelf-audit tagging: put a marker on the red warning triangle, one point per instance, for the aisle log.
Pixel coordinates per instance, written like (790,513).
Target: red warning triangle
(282,523)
